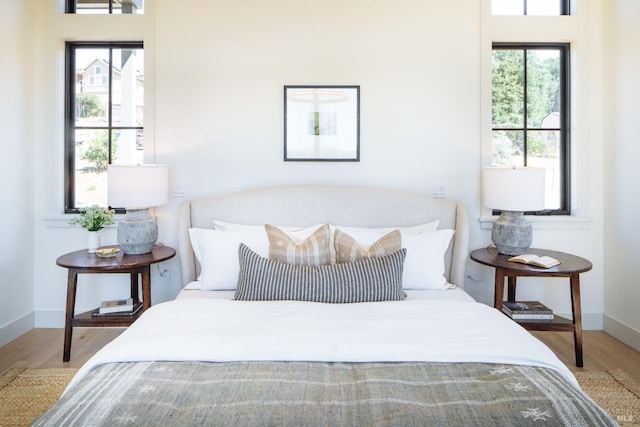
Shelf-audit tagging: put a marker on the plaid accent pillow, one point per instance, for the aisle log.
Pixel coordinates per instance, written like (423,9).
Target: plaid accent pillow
(366,280)
(349,250)
(314,250)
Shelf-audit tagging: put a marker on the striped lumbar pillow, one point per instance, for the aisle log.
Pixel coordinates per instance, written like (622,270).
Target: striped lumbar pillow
(314,250)
(366,280)
(348,249)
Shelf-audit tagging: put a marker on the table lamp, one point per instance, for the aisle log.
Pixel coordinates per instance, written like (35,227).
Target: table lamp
(137,188)
(513,190)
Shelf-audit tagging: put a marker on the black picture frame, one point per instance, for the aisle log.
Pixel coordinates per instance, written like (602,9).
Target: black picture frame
(322,123)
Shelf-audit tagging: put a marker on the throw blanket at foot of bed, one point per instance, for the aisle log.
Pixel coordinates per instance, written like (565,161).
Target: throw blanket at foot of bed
(317,393)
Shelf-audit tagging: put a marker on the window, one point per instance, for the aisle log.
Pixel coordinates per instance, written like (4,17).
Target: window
(530,114)
(530,7)
(102,7)
(104,116)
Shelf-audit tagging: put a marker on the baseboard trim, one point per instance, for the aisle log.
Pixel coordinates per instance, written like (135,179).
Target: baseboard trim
(590,321)
(622,332)
(50,319)
(13,330)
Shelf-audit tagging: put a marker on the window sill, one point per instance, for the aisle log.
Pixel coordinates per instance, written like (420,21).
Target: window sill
(557,222)
(62,221)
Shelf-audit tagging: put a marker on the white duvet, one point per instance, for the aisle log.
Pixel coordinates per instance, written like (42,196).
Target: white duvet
(412,330)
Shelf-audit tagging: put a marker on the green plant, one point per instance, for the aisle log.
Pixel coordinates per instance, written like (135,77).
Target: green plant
(93,218)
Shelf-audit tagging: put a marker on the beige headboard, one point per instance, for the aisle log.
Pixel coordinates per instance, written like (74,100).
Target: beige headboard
(304,205)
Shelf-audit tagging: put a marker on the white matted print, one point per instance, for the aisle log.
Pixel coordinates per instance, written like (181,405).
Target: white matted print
(322,123)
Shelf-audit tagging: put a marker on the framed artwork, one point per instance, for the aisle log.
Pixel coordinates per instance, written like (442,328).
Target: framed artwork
(322,123)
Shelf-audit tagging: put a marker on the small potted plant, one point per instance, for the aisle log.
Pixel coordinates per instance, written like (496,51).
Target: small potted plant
(93,219)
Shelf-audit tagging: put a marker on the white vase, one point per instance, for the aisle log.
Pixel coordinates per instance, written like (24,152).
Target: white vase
(93,241)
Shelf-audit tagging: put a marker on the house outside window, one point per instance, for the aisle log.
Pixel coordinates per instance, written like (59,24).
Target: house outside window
(104,116)
(530,114)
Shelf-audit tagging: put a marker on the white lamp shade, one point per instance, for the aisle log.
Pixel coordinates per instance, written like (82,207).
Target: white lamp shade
(514,189)
(137,186)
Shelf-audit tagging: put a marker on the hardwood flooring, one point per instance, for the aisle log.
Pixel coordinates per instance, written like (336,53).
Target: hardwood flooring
(42,348)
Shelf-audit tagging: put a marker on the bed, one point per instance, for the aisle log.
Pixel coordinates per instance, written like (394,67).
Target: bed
(378,330)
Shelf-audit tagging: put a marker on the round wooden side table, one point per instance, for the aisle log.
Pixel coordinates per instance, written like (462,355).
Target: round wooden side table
(570,266)
(82,262)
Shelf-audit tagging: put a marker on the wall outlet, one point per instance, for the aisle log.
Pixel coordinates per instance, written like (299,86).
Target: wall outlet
(439,191)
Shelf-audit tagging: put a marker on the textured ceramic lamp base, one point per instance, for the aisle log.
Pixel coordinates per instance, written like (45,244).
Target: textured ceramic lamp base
(137,232)
(511,234)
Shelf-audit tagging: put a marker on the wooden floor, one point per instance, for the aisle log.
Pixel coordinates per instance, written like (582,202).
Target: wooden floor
(42,348)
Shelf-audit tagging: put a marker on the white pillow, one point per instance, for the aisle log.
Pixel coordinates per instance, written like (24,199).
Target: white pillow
(416,229)
(217,251)
(300,233)
(369,235)
(424,264)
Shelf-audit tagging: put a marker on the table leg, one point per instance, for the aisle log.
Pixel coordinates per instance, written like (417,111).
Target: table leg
(134,288)
(72,282)
(498,289)
(145,272)
(511,289)
(577,317)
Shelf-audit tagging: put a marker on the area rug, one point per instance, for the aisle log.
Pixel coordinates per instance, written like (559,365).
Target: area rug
(26,393)
(616,392)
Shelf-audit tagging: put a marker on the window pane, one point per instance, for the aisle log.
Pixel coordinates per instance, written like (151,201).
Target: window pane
(533,7)
(108,116)
(543,88)
(507,88)
(543,149)
(507,148)
(125,148)
(507,7)
(94,7)
(92,158)
(128,84)
(99,7)
(92,87)
(543,7)
(541,139)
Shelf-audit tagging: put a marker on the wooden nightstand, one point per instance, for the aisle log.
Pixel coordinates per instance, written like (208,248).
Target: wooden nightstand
(82,262)
(570,266)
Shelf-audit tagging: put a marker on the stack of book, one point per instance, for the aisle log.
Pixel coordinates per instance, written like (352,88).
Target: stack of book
(121,307)
(527,310)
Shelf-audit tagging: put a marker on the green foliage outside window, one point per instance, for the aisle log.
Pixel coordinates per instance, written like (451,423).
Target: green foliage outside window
(97,151)
(88,105)
(508,99)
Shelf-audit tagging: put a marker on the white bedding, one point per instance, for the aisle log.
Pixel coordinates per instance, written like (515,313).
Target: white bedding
(220,330)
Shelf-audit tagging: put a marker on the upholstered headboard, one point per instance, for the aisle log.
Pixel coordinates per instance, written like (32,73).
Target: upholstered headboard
(305,205)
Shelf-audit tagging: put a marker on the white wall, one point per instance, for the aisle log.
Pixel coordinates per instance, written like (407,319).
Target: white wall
(16,171)
(214,81)
(622,201)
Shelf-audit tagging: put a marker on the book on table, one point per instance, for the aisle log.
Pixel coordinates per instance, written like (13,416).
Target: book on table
(538,261)
(527,310)
(136,308)
(116,306)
